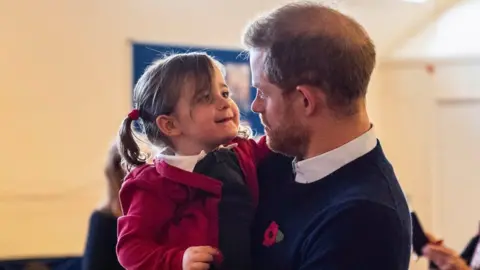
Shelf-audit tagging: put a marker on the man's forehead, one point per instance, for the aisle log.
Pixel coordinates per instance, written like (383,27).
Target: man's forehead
(257,57)
(257,60)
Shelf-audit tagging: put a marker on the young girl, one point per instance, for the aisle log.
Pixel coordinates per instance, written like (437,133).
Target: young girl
(191,209)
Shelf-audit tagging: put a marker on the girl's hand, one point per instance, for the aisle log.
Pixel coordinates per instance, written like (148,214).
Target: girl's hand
(198,258)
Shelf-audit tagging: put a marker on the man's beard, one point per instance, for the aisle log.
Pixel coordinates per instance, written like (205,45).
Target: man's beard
(290,139)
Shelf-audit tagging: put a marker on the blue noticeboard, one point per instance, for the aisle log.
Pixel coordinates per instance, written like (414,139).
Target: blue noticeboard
(236,65)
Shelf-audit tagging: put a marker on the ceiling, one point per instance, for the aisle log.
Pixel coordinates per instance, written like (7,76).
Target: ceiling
(391,22)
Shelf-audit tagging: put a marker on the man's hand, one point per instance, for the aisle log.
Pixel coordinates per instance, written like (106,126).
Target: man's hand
(444,258)
(198,258)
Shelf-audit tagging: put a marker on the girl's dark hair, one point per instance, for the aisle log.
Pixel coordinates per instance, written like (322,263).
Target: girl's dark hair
(157,92)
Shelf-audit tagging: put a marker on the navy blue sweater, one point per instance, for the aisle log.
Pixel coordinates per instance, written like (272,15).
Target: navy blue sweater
(355,218)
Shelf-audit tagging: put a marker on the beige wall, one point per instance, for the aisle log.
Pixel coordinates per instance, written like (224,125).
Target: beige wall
(430,121)
(434,159)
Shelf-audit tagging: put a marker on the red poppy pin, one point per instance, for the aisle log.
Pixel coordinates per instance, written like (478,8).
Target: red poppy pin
(272,235)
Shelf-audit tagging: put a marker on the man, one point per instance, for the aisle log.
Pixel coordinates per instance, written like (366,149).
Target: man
(342,208)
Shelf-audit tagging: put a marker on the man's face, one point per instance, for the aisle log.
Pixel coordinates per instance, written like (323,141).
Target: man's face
(284,129)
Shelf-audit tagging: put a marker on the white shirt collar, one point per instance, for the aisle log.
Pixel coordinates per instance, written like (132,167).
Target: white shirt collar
(318,167)
(186,163)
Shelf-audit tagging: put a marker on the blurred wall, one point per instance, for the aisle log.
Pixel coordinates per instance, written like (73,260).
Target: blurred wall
(430,102)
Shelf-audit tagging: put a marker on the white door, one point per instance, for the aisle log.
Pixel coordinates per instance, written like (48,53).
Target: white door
(457,171)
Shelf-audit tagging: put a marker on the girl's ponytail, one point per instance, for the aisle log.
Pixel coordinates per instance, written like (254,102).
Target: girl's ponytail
(127,146)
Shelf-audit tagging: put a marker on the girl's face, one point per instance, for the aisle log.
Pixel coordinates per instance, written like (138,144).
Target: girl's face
(206,120)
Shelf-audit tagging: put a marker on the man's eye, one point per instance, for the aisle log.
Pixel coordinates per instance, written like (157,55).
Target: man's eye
(260,94)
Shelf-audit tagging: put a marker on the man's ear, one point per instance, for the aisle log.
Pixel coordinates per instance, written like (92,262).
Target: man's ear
(313,98)
(168,125)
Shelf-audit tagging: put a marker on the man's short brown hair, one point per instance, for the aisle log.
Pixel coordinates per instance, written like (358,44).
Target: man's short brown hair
(311,44)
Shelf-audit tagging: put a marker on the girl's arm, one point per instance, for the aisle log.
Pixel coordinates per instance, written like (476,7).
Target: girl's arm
(146,211)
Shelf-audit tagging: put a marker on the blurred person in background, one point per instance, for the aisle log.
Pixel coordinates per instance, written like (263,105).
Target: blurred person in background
(100,251)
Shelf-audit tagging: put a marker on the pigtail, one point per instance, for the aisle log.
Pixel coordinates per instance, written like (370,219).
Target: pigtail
(127,145)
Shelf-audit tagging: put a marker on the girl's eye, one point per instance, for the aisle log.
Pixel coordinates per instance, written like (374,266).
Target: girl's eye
(226,94)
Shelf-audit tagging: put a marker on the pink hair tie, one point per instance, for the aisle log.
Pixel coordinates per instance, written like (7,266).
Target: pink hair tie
(134,114)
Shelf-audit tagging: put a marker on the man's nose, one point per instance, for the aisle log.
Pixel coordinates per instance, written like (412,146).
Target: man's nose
(257,105)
